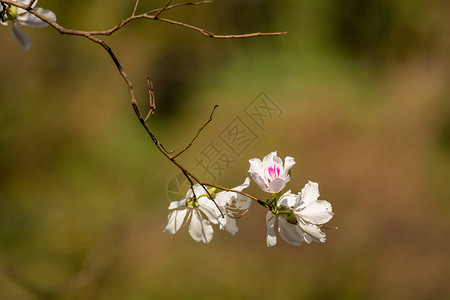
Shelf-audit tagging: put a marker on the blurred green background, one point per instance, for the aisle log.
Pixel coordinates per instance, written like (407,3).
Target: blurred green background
(364,91)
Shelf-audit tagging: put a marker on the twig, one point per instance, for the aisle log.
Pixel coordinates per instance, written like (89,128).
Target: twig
(135,8)
(31,4)
(218,36)
(188,175)
(229,190)
(198,132)
(177,5)
(90,35)
(146,15)
(3,11)
(151,99)
(162,9)
(92,270)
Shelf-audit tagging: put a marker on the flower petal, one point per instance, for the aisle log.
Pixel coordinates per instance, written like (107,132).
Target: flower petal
(175,220)
(288,232)
(257,173)
(21,37)
(243,202)
(177,204)
(288,163)
(271,239)
(21,11)
(223,198)
(277,185)
(288,199)
(243,186)
(317,212)
(312,230)
(229,224)
(271,159)
(310,192)
(210,210)
(198,190)
(200,229)
(31,20)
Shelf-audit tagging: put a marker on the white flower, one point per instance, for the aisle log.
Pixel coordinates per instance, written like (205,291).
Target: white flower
(270,174)
(311,212)
(307,214)
(19,16)
(199,211)
(287,227)
(232,203)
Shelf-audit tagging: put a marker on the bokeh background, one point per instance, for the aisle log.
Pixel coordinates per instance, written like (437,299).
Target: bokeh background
(364,91)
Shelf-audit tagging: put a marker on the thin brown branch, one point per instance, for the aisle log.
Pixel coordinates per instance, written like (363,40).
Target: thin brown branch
(162,9)
(188,175)
(90,35)
(93,268)
(147,15)
(218,36)
(198,132)
(229,190)
(135,8)
(178,5)
(31,4)
(151,99)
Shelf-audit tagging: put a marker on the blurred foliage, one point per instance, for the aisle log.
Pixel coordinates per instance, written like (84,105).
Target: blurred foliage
(365,97)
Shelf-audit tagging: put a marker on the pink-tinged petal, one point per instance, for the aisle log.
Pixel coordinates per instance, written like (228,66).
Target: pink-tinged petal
(271,239)
(177,204)
(289,162)
(175,220)
(257,173)
(272,159)
(309,193)
(277,185)
(317,212)
(21,37)
(316,234)
(200,229)
(288,232)
(31,20)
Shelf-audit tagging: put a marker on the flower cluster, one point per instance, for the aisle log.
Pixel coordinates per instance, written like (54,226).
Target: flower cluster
(297,218)
(197,210)
(19,17)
